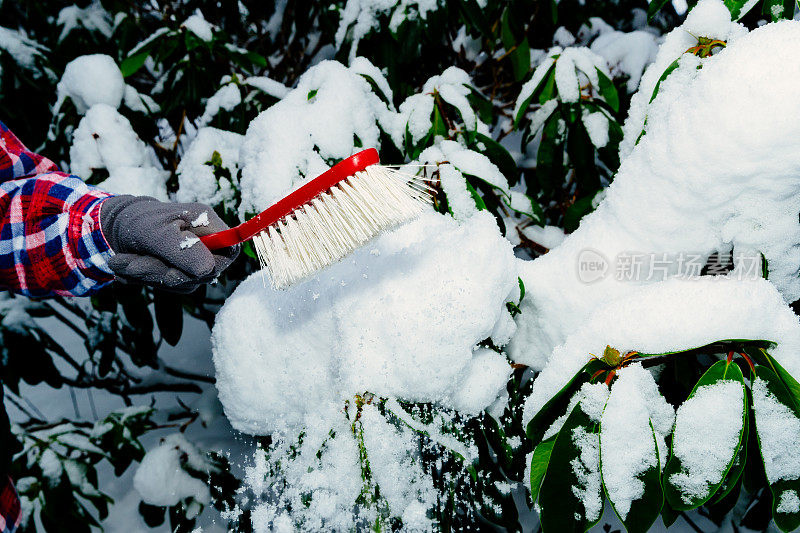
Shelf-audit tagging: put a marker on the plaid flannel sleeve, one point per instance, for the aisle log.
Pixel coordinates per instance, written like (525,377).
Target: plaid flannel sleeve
(10,512)
(50,237)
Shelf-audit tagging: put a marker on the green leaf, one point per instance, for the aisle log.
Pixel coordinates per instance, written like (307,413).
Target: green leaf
(655,7)
(550,156)
(562,511)
(789,384)
(719,371)
(579,209)
(547,80)
(539,462)
(672,66)
(557,404)
(786,521)
(257,59)
(608,91)
(133,63)
(479,203)
(249,251)
(311,94)
(734,477)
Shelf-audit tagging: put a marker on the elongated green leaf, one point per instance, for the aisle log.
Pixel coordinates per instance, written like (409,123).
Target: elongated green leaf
(734,478)
(608,91)
(133,63)
(787,382)
(672,66)
(645,510)
(541,88)
(785,492)
(562,511)
(550,156)
(556,405)
(479,203)
(719,371)
(654,7)
(539,462)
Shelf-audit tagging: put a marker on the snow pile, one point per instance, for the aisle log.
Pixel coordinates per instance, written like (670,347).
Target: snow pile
(628,445)
(710,309)
(683,193)
(105,139)
(312,484)
(414,303)
(710,19)
(25,52)
(89,80)
(197,181)
(299,137)
(707,430)
(161,478)
(778,434)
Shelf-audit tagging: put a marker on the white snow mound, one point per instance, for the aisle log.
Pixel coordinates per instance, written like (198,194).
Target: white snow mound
(399,318)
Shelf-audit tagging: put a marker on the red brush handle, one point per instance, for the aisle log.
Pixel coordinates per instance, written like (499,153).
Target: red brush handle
(292,201)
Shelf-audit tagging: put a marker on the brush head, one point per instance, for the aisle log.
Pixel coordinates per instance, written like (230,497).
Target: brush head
(335,222)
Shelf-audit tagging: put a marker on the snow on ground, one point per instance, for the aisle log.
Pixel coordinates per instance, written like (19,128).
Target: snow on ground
(413,303)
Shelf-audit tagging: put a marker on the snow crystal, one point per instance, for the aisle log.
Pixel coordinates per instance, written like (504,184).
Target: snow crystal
(789,502)
(778,434)
(89,80)
(196,179)
(433,292)
(315,123)
(627,53)
(198,25)
(707,429)
(626,437)
(678,193)
(160,479)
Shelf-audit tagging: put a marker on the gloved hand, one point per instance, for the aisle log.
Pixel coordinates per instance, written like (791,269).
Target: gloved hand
(155,243)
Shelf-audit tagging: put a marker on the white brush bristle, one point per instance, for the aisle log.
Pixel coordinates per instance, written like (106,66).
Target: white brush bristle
(338,221)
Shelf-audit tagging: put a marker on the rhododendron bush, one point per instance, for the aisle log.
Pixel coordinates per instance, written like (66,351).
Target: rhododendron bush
(592,327)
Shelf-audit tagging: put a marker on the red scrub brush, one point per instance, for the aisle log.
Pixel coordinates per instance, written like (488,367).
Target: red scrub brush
(328,217)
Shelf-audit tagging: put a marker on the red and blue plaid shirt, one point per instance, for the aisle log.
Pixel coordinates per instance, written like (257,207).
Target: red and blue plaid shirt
(50,244)
(50,237)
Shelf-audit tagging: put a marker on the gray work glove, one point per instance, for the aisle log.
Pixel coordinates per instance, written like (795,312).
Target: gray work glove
(153,242)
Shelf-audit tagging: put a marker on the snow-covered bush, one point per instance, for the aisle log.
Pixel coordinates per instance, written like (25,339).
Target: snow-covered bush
(597,310)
